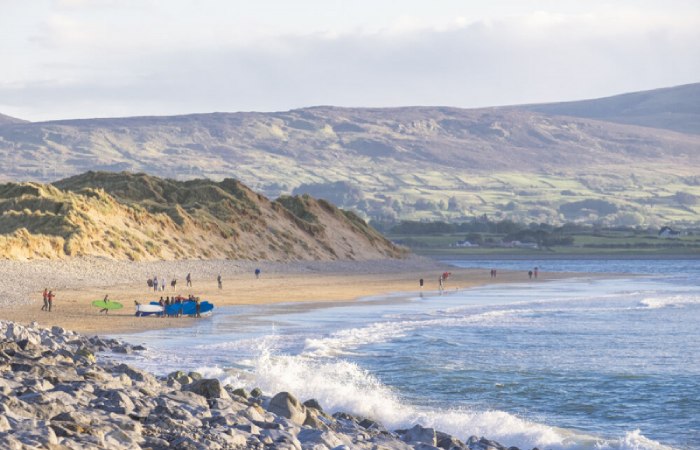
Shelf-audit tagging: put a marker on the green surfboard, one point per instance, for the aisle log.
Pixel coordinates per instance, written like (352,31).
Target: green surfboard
(108,304)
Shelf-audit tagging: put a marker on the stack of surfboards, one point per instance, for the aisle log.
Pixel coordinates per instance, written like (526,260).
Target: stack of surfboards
(186,308)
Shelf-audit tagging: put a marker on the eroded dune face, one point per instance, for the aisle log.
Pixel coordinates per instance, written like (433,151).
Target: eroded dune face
(138,217)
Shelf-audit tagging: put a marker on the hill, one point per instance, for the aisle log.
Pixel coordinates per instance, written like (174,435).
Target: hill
(8,120)
(419,163)
(139,217)
(676,108)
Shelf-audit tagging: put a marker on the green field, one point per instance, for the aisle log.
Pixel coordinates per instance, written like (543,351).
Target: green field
(607,243)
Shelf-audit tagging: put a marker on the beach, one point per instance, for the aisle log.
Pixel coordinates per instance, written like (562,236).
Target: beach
(78,282)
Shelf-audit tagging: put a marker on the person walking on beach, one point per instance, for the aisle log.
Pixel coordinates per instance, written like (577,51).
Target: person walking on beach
(155,284)
(173,283)
(529,274)
(257,273)
(536,271)
(106,300)
(46,300)
(188,278)
(420,282)
(50,296)
(218,280)
(162,284)
(441,287)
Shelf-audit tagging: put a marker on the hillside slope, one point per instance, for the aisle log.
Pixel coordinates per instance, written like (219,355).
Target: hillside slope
(4,120)
(676,108)
(420,163)
(139,217)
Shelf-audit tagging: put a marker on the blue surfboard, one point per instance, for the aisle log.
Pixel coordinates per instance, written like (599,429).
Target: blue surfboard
(188,308)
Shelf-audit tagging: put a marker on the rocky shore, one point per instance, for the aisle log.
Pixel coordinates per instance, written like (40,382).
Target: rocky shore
(56,392)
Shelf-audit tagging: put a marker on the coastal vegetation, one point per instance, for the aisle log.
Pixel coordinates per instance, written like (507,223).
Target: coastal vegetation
(140,217)
(507,238)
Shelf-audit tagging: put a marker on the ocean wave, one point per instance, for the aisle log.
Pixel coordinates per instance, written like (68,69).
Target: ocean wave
(340,385)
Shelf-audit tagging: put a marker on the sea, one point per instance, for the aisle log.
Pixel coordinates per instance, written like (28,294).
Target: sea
(608,358)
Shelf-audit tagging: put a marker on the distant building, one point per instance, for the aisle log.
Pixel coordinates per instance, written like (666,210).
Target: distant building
(667,232)
(518,244)
(463,244)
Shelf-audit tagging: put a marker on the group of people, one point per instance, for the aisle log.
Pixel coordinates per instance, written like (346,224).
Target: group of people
(159,284)
(179,300)
(534,272)
(48,300)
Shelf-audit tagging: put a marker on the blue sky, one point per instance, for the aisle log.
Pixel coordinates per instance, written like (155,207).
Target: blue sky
(99,58)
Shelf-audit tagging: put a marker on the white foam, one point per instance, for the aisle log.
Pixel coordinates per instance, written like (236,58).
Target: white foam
(670,301)
(343,386)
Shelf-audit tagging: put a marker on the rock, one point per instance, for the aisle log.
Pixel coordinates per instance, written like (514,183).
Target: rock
(326,438)
(4,424)
(419,434)
(195,375)
(177,374)
(85,354)
(449,442)
(313,403)
(257,392)
(208,388)
(240,392)
(286,405)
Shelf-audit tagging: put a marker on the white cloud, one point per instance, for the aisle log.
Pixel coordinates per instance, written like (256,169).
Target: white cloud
(185,59)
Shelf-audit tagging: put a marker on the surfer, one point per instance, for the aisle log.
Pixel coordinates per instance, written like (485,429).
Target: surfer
(106,300)
(46,300)
(218,280)
(50,296)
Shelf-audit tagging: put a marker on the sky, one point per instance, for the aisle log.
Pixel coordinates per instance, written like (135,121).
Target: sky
(62,59)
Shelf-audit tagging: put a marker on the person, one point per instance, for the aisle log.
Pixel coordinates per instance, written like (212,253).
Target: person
(197,307)
(189,280)
(162,285)
(46,300)
(50,296)
(155,284)
(161,302)
(218,280)
(420,282)
(257,273)
(106,300)
(440,285)
(149,282)
(536,271)
(173,283)
(529,274)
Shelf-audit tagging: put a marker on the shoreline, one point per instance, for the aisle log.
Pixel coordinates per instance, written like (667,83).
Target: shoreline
(77,283)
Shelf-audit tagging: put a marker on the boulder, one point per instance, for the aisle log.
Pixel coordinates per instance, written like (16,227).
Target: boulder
(207,388)
(419,434)
(286,405)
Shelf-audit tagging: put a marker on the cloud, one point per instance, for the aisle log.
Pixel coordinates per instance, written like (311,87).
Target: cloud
(536,57)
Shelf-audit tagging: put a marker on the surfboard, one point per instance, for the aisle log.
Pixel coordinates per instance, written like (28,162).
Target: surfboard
(109,304)
(188,308)
(147,310)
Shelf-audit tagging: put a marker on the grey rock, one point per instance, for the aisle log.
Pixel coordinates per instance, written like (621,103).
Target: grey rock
(208,388)
(257,392)
(286,405)
(419,434)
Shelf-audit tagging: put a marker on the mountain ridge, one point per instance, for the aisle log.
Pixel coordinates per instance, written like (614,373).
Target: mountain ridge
(421,163)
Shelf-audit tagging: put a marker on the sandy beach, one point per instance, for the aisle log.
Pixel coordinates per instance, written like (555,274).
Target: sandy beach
(78,282)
